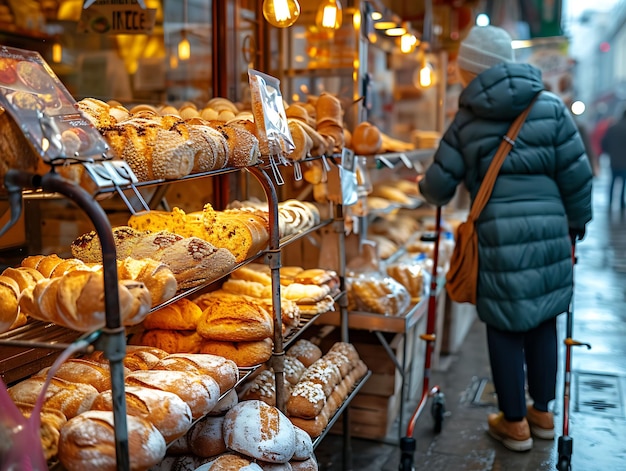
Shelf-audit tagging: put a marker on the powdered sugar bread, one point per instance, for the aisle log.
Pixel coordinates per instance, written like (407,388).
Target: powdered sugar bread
(260,431)
(88,442)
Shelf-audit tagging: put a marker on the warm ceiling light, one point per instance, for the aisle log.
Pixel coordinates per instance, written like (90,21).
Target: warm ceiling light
(281,13)
(376,15)
(385,25)
(426,75)
(184,48)
(395,31)
(57,53)
(407,43)
(329,15)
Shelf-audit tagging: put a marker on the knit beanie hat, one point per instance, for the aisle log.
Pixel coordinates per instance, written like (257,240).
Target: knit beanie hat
(484,47)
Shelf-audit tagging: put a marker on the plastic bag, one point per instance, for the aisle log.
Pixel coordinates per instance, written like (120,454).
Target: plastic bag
(19,436)
(376,293)
(269,114)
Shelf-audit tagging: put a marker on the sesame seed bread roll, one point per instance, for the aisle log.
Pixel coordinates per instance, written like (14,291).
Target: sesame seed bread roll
(88,442)
(165,410)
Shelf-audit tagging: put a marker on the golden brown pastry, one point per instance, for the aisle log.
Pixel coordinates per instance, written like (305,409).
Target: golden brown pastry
(9,294)
(244,354)
(234,320)
(181,315)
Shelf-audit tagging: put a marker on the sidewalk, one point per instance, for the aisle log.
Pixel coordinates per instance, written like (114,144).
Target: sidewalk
(597,407)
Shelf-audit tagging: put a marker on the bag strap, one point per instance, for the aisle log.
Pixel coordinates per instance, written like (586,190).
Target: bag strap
(508,140)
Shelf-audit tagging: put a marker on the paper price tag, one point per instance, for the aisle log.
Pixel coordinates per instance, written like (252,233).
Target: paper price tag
(347,159)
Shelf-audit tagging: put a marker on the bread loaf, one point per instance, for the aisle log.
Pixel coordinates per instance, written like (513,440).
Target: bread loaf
(206,437)
(181,315)
(24,276)
(137,357)
(262,388)
(260,431)
(156,276)
(305,351)
(243,354)
(76,370)
(88,442)
(306,400)
(304,446)
(68,398)
(51,421)
(235,321)
(366,139)
(226,403)
(9,294)
(223,371)
(172,341)
(293,368)
(232,462)
(306,465)
(200,392)
(165,410)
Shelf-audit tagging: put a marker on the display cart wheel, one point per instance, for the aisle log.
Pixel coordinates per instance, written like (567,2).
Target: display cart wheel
(564,464)
(438,411)
(407,464)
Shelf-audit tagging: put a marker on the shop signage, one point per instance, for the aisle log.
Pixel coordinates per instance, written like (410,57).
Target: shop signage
(116,17)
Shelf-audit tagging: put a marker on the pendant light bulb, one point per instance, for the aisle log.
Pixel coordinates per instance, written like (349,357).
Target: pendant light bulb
(426,75)
(184,48)
(329,15)
(281,13)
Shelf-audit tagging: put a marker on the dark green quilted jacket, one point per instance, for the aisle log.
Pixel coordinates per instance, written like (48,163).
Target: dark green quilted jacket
(544,186)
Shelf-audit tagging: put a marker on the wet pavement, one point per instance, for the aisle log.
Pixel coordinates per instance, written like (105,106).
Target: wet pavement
(598,392)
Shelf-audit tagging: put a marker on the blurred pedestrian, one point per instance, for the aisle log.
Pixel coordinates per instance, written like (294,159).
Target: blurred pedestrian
(614,145)
(541,202)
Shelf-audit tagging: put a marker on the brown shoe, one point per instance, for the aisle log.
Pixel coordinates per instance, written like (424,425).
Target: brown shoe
(541,423)
(513,435)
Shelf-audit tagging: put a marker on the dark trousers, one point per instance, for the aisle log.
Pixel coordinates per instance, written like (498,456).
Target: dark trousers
(615,174)
(519,356)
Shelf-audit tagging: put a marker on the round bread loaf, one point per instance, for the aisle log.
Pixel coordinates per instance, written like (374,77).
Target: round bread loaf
(206,437)
(260,431)
(232,462)
(9,294)
(304,445)
(366,139)
(200,392)
(88,442)
(180,446)
(306,465)
(172,341)
(167,412)
(235,321)
(181,315)
(244,354)
(274,466)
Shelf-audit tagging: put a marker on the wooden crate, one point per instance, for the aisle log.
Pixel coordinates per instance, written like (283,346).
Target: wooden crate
(371,416)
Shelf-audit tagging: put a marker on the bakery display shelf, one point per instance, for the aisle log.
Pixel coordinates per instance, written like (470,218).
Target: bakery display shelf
(379,322)
(305,321)
(192,176)
(355,390)
(32,347)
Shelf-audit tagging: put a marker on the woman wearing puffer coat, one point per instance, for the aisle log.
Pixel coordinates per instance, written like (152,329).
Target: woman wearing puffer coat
(540,204)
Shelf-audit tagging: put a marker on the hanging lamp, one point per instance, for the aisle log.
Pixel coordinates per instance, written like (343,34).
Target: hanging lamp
(281,13)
